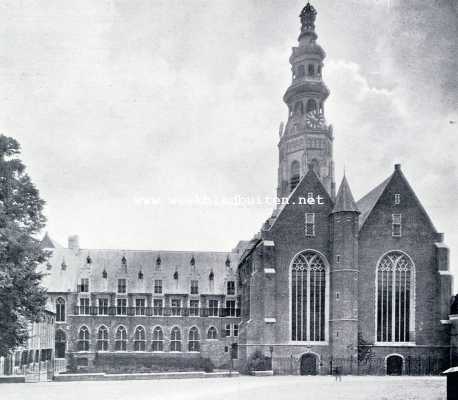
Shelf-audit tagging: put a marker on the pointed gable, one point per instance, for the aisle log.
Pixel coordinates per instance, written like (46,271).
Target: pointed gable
(368,203)
(48,243)
(345,200)
(309,186)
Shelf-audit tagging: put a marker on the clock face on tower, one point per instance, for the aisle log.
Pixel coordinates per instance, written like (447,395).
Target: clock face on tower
(314,119)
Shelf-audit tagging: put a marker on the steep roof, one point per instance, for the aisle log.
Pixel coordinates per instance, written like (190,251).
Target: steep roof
(368,202)
(66,267)
(48,243)
(344,200)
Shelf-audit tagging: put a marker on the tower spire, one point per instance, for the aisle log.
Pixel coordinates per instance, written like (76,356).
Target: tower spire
(307,138)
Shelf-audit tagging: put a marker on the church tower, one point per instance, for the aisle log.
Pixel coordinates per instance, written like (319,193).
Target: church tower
(306,138)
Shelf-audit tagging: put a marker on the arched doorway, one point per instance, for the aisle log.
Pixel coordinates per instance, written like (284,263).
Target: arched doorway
(394,365)
(309,364)
(60,344)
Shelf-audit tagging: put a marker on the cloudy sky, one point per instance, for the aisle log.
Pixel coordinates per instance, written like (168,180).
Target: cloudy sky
(115,102)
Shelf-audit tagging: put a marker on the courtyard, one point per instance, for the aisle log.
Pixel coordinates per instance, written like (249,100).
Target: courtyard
(252,388)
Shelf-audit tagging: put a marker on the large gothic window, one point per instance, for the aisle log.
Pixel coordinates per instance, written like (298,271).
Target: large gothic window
(83,339)
(394,297)
(102,339)
(140,339)
(295,174)
(175,339)
(308,301)
(193,339)
(121,339)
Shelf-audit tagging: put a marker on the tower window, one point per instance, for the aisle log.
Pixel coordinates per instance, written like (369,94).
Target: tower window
(295,174)
(311,70)
(397,198)
(309,224)
(396,225)
(311,105)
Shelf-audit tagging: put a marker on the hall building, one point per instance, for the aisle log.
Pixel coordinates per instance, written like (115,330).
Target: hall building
(328,282)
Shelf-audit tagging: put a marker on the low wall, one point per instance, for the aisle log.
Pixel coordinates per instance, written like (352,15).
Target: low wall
(12,379)
(143,376)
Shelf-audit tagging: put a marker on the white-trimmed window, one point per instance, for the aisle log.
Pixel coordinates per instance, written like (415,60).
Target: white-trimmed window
(84,306)
(103,306)
(395,287)
(309,224)
(212,308)
(235,330)
(102,339)
(212,333)
(158,286)
(83,339)
(140,306)
(227,330)
(158,339)
(122,286)
(397,198)
(140,339)
(121,339)
(308,300)
(175,305)
(230,308)
(194,308)
(194,340)
(158,304)
(397,225)
(121,306)
(60,310)
(175,339)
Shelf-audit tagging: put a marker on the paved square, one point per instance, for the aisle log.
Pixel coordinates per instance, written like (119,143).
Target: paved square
(251,388)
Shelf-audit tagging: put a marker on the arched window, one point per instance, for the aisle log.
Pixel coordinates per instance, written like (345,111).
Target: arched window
(139,339)
(295,174)
(300,71)
(158,339)
(60,343)
(121,339)
(315,166)
(395,285)
(60,310)
(175,339)
(102,339)
(194,339)
(308,301)
(311,105)
(83,339)
(212,333)
(311,70)
(299,108)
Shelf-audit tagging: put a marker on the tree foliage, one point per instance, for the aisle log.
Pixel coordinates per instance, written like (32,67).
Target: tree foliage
(21,219)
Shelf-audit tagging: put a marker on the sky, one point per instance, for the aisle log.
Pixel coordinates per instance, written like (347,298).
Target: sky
(138,118)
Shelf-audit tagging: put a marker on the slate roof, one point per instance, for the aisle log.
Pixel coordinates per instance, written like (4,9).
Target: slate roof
(368,202)
(344,199)
(66,267)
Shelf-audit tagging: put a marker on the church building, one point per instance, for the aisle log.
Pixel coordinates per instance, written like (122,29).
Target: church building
(327,283)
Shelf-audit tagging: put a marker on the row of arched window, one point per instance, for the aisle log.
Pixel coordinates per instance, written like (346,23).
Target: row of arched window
(139,340)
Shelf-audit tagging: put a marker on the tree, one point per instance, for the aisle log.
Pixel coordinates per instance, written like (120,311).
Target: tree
(21,218)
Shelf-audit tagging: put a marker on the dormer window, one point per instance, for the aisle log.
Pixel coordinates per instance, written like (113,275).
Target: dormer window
(88,259)
(397,199)
(193,261)
(84,285)
(158,262)
(211,276)
(104,274)
(228,262)
(124,261)
(122,286)
(175,275)
(140,275)
(63,265)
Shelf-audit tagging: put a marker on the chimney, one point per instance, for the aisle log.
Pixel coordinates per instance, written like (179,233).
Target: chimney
(74,243)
